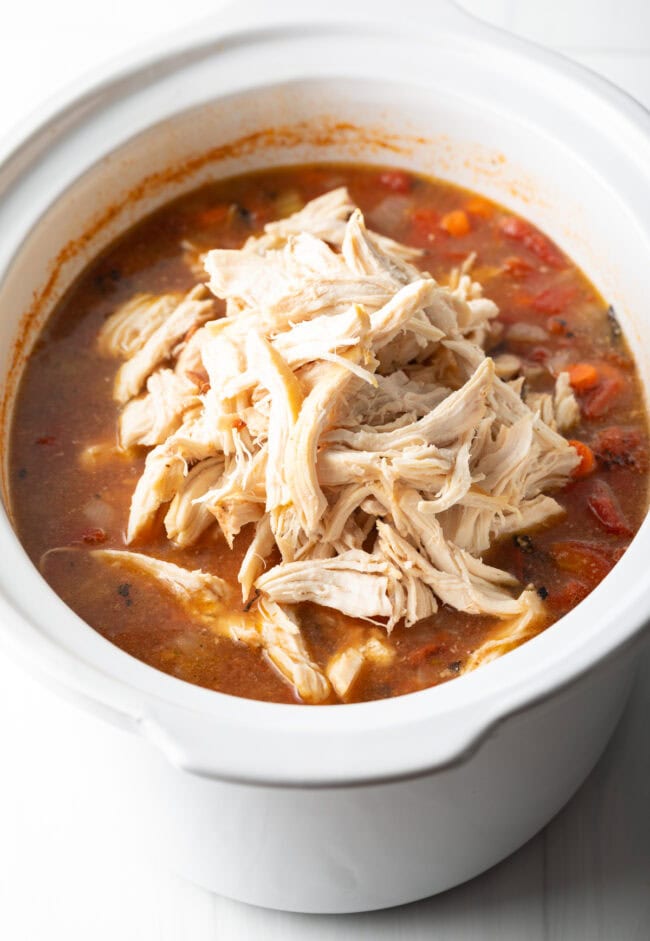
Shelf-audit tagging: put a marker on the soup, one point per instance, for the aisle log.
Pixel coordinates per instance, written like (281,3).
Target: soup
(451,554)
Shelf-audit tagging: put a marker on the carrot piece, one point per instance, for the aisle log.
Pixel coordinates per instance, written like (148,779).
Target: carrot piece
(583,376)
(606,508)
(396,180)
(587,459)
(479,207)
(456,223)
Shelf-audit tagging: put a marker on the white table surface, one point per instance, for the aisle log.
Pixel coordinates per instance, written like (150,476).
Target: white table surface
(65,872)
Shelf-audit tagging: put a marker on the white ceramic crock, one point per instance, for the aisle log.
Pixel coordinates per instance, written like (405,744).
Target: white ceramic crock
(356,807)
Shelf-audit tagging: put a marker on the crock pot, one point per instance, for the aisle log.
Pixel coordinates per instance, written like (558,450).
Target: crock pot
(355,807)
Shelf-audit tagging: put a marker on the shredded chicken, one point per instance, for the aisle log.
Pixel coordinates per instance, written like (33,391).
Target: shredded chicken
(199,592)
(286,649)
(346,407)
(511,634)
(205,598)
(560,410)
(149,350)
(346,666)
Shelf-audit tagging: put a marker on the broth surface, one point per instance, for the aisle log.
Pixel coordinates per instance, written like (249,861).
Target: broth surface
(65,404)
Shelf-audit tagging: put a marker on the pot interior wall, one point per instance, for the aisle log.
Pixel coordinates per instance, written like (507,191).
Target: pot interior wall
(458,139)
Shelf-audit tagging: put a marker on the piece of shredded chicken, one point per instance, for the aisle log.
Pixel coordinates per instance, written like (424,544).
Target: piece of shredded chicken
(344,406)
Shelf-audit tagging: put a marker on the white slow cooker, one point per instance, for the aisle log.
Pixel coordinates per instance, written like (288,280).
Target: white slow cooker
(356,807)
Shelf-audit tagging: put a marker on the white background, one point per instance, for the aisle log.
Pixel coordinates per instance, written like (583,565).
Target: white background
(67,869)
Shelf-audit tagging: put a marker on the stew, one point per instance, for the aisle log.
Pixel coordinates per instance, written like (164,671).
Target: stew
(71,485)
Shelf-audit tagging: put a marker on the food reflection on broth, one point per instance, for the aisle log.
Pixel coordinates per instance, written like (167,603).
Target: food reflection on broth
(377,450)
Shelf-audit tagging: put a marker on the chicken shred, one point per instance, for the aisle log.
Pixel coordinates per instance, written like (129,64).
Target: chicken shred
(346,407)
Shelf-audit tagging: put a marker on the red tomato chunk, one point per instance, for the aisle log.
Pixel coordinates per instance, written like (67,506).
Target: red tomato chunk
(606,508)
(589,561)
(621,447)
(520,231)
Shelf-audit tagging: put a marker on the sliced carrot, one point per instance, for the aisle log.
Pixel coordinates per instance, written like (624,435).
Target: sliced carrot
(456,223)
(583,376)
(479,207)
(587,459)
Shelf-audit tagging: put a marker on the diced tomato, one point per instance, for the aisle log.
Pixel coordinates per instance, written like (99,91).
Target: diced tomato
(568,595)
(424,223)
(603,399)
(520,231)
(396,180)
(440,644)
(456,223)
(587,459)
(589,561)
(214,215)
(617,358)
(555,299)
(479,207)
(46,439)
(418,656)
(605,507)
(93,537)
(539,355)
(516,267)
(606,394)
(583,376)
(622,447)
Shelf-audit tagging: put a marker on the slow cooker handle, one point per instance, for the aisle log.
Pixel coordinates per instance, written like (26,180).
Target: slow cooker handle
(253,743)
